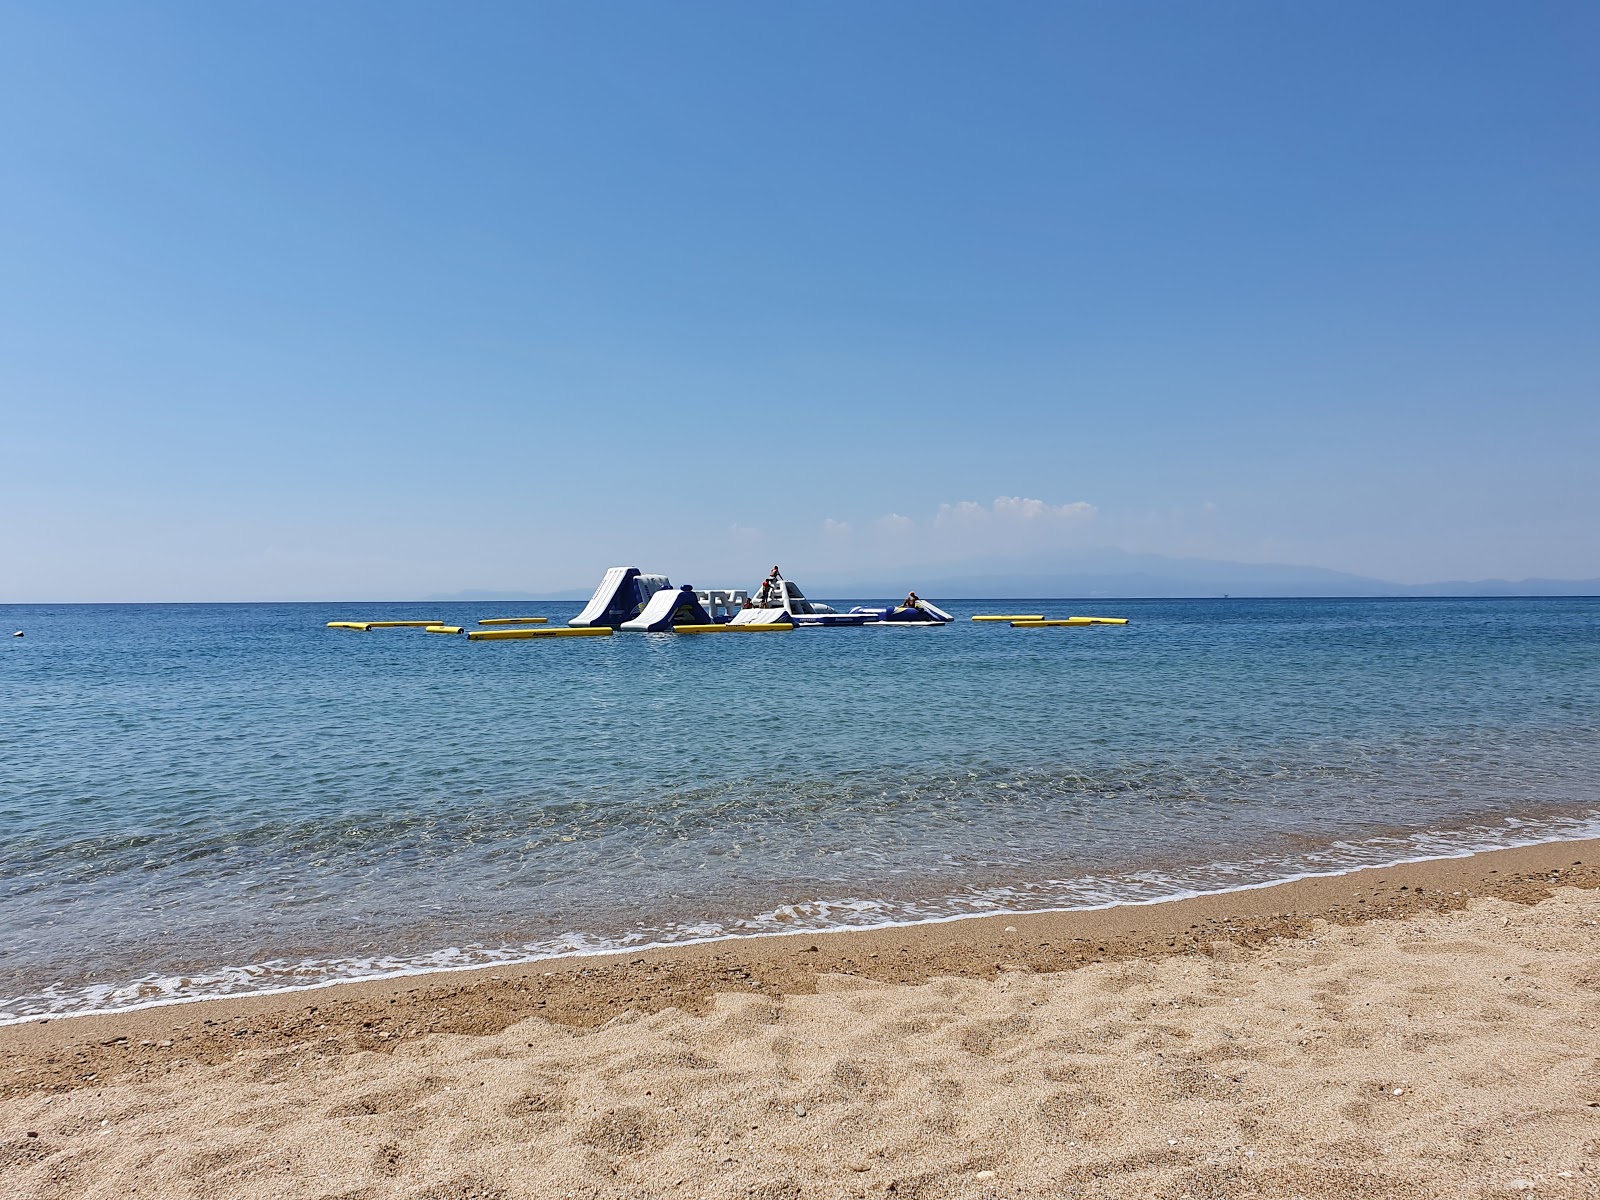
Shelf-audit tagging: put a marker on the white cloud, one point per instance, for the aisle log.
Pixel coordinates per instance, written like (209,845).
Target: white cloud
(1012,511)
(966,528)
(835,529)
(960,514)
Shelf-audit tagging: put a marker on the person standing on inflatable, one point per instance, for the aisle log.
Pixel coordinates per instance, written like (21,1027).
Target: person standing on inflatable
(769,585)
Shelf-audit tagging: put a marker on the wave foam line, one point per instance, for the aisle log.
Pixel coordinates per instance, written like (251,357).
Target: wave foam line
(1573,829)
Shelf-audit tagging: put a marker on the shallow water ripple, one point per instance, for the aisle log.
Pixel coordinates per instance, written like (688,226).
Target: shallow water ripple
(204,799)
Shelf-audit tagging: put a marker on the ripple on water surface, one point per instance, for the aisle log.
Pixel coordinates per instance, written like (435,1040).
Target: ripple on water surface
(189,787)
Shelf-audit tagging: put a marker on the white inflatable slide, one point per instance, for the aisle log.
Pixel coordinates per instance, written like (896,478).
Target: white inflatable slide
(621,596)
(761,616)
(667,608)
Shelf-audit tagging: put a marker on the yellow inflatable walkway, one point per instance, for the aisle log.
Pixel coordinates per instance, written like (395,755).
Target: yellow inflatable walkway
(516,634)
(365,625)
(1041,623)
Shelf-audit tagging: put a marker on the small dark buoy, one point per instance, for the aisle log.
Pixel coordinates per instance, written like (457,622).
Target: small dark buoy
(18,633)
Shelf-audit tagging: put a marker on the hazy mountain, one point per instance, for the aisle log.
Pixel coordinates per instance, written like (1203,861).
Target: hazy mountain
(1113,573)
(1508,587)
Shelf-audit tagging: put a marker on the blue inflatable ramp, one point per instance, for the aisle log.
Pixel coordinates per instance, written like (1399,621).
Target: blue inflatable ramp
(667,608)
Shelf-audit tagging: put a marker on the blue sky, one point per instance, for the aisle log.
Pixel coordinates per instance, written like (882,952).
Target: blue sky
(379,300)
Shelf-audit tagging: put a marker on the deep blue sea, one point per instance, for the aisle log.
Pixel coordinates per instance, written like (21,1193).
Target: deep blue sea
(199,800)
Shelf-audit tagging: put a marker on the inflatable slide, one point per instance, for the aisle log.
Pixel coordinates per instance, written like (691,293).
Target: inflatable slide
(761,616)
(669,607)
(621,596)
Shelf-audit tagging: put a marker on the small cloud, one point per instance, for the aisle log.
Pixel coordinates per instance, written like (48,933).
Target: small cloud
(1012,510)
(1022,508)
(835,529)
(894,524)
(960,514)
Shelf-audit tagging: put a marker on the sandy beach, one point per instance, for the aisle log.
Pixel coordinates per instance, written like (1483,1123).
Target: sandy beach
(1431,1029)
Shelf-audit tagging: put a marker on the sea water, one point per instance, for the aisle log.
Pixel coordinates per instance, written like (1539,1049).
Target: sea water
(199,800)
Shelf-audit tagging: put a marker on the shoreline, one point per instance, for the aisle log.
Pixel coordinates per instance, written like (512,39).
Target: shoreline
(1420,1031)
(587,990)
(525,959)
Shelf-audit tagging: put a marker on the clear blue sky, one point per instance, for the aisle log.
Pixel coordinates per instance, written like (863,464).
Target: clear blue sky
(376,300)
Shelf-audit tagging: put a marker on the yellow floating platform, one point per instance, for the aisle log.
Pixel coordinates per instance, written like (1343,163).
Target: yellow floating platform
(361,625)
(505,635)
(513,620)
(1103,620)
(444,629)
(775,627)
(401,624)
(1041,624)
(1011,617)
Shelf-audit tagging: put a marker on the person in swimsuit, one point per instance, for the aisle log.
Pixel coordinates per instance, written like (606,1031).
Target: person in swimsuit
(769,586)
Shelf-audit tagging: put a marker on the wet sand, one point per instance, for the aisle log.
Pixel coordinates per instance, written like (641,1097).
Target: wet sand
(1431,1029)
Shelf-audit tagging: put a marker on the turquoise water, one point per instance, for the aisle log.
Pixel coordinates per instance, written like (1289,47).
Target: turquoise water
(205,799)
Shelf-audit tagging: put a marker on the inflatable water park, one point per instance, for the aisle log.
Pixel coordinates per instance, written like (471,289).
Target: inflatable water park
(629,600)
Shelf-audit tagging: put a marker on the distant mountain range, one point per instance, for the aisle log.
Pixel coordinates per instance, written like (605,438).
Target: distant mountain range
(1136,584)
(1113,573)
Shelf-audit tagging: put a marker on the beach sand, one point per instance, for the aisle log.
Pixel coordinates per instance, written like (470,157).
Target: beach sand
(1430,1029)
